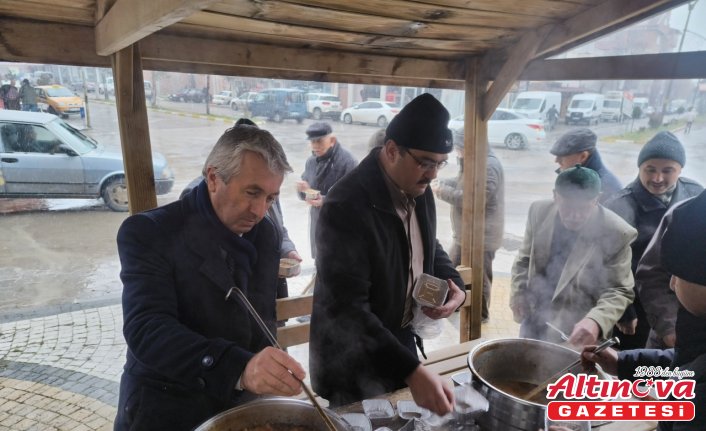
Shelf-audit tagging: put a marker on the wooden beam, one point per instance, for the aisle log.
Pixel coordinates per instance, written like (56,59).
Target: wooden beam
(473,213)
(312,36)
(684,65)
(447,14)
(61,13)
(213,52)
(186,67)
(294,306)
(128,21)
(517,58)
(599,20)
(480,28)
(134,130)
(29,41)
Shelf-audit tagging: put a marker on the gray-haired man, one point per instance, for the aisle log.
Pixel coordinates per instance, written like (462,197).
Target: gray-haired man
(193,350)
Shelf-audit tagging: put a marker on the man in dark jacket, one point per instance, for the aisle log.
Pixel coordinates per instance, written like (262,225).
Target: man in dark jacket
(193,349)
(376,235)
(451,191)
(683,254)
(328,163)
(578,147)
(642,204)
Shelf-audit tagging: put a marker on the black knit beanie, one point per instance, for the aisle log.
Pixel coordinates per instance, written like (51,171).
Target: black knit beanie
(423,125)
(663,145)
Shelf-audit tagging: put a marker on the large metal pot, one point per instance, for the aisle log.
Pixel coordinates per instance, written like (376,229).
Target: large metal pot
(273,410)
(531,362)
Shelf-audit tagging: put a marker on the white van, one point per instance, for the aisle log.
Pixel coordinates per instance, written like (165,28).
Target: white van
(642,103)
(535,104)
(585,108)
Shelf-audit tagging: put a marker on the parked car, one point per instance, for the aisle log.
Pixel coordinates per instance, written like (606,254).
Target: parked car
(58,100)
(42,156)
(370,112)
(320,105)
(243,101)
(223,98)
(278,104)
(510,128)
(188,95)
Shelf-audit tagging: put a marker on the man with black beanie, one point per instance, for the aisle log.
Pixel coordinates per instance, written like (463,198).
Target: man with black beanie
(682,239)
(376,235)
(642,204)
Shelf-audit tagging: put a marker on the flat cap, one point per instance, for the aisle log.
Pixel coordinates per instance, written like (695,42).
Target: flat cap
(578,182)
(318,129)
(663,145)
(422,125)
(683,251)
(574,141)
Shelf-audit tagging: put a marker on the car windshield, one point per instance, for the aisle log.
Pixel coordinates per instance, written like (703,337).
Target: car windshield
(612,104)
(581,104)
(59,92)
(79,142)
(331,98)
(527,103)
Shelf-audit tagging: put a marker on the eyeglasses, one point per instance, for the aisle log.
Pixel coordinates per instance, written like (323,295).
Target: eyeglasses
(425,165)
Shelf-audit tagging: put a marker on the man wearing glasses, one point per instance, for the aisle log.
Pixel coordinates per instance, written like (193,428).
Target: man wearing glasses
(376,235)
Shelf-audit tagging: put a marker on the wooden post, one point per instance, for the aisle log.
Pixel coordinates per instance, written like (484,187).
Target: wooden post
(474,173)
(134,130)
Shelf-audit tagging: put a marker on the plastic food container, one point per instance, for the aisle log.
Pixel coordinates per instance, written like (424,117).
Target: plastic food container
(380,412)
(410,410)
(430,291)
(311,194)
(288,267)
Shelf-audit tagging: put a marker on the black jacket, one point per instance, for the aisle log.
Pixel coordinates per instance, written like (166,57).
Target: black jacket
(610,184)
(187,344)
(322,173)
(358,348)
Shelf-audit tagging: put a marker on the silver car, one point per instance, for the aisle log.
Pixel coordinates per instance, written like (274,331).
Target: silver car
(42,156)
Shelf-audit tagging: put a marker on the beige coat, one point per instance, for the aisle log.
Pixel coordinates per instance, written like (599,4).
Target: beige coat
(596,281)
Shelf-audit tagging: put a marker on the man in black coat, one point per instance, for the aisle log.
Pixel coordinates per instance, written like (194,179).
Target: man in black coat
(578,147)
(328,163)
(642,204)
(193,349)
(682,240)
(376,236)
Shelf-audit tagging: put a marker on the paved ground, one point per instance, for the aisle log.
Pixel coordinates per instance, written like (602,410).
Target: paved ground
(61,371)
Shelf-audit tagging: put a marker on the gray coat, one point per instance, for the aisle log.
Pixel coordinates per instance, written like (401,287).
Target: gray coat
(322,173)
(595,282)
(451,191)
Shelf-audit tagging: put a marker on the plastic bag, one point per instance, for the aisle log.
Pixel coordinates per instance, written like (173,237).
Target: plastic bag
(423,325)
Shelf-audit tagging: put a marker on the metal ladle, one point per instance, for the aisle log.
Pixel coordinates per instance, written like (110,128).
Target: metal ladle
(542,386)
(273,341)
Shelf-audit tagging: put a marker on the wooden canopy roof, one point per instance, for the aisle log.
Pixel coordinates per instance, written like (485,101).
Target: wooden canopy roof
(423,43)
